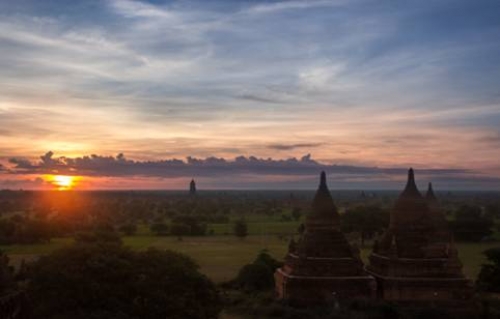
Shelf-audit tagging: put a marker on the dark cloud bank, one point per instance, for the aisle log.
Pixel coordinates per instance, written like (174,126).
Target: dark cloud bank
(304,170)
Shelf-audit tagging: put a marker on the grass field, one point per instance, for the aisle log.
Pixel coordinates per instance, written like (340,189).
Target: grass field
(220,257)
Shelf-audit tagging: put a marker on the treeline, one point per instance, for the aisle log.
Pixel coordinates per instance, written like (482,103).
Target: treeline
(474,223)
(31,217)
(25,230)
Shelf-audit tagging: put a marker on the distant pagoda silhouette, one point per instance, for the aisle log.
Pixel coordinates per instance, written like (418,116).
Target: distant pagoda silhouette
(438,220)
(322,266)
(192,188)
(416,259)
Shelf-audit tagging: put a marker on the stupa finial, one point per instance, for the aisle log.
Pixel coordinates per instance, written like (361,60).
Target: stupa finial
(411,176)
(322,180)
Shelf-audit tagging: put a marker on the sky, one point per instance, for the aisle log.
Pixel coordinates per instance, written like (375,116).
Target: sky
(251,94)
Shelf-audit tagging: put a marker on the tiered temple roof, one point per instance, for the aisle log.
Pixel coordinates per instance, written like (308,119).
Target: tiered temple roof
(322,265)
(416,259)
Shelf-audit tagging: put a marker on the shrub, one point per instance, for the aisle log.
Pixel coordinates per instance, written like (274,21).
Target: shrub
(240,228)
(259,275)
(159,229)
(489,276)
(128,229)
(178,229)
(7,282)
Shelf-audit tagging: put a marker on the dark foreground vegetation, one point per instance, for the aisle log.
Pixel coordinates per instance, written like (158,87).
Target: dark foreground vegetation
(98,277)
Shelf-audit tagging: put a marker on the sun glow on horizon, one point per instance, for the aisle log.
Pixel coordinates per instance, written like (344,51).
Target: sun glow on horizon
(63,182)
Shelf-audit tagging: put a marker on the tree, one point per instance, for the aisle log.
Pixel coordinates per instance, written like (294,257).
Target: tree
(240,228)
(471,224)
(7,282)
(160,229)
(264,258)
(286,217)
(489,276)
(492,210)
(7,231)
(301,229)
(259,275)
(34,230)
(368,220)
(99,235)
(20,229)
(194,226)
(178,229)
(107,280)
(296,213)
(255,277)
(128,229)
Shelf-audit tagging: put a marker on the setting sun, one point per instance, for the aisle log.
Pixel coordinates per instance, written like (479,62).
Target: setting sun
(63,182)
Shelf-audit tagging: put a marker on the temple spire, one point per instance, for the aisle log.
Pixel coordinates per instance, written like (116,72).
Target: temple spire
(322,180)
(411,187)
(430,193)
(323,193)
(324,212)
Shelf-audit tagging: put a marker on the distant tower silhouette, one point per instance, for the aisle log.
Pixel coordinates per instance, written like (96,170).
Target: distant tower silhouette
(192,188)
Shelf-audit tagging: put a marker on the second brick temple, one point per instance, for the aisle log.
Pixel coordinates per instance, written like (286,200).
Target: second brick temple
(416,259)
(322,266)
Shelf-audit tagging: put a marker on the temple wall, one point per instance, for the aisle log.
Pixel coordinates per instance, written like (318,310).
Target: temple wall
(315,290)
(324,266)
(279,282)
(402,289)
(14,307)
(418,267)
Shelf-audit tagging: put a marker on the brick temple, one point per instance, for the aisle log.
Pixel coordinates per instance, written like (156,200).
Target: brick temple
(322,266)
(416,259)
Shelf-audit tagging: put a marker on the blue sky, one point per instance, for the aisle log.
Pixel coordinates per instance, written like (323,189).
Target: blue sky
(390,84)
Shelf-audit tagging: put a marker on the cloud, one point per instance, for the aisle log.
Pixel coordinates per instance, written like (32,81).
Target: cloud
(258,98)
(138,9)
(239,173)
(220,78)
(22,183)
(288,147)
(490,138)
(116,166)
(22,163)
(279,6)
